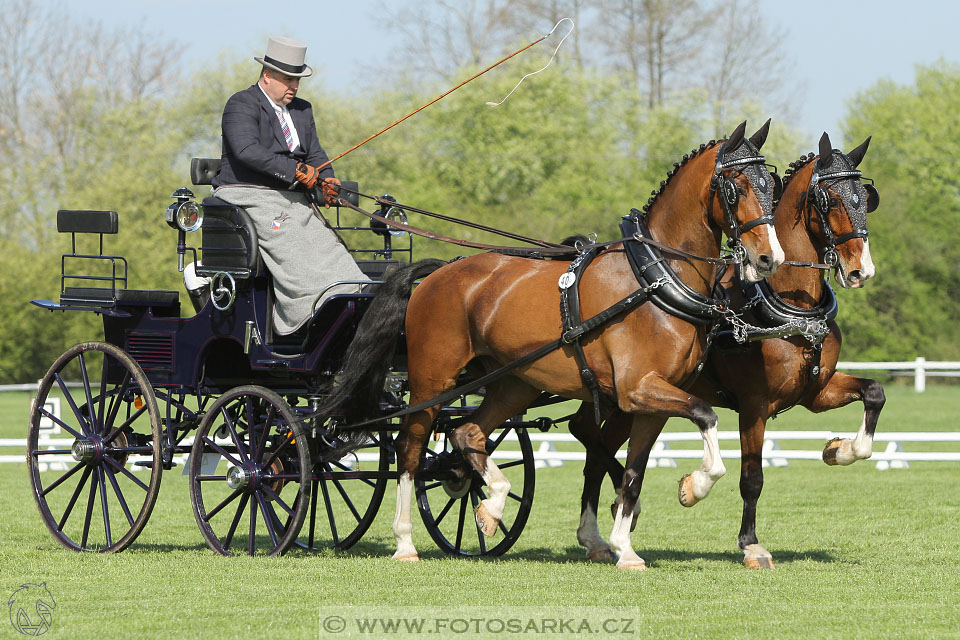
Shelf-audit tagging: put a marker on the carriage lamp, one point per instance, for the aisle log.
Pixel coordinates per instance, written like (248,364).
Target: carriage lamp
(184,214)
(393,214)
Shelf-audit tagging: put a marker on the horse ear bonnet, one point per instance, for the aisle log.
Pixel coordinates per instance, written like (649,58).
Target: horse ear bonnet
(761,135)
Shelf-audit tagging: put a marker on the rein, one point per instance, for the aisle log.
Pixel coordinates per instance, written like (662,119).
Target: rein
(546,248)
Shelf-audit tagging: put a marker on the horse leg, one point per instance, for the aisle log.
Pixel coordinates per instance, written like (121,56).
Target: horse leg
(643,434)
(598,459)
(599,445)
(840,390)
(416,429)
(655,396)
(504,398)
(752,426)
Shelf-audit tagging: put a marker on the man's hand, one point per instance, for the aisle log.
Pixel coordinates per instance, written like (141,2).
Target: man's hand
(331,190)
(307,175)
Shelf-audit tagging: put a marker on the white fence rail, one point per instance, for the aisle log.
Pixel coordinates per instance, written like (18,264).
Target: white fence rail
(919,368)
(663,455)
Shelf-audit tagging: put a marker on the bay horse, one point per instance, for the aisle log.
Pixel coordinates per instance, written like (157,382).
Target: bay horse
(820,216)
(490,309)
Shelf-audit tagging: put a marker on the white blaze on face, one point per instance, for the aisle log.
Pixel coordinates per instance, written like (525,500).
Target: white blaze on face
(750,270)
(866,262)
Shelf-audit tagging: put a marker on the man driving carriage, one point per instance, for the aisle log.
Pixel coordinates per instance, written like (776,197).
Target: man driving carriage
(271,157)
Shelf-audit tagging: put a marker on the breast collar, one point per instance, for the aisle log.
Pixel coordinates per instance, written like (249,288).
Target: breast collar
(771,310)
(672,294)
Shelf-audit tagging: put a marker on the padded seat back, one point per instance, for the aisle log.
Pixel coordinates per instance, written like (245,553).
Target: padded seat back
(204,170)
(229,241)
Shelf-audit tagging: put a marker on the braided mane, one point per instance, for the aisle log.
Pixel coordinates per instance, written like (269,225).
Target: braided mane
(792,170)
(676,167)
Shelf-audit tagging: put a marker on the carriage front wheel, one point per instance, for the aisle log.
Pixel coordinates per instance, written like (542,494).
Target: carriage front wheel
(250,473)
(448,492)
(96,483)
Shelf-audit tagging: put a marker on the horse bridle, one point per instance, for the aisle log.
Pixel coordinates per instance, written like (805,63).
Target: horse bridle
(729,195)
(823,203)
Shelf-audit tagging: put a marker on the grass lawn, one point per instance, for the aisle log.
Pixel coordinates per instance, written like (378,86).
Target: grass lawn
(859,553)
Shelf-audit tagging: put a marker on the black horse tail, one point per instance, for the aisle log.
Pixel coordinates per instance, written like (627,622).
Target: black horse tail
(359,385)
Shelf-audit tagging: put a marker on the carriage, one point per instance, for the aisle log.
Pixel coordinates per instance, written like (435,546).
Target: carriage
(257,418)
(223,396)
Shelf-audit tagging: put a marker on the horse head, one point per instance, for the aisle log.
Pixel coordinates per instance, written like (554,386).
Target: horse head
(838,203)
(741,202)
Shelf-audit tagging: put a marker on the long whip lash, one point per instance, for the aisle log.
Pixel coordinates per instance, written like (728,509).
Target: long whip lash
(533,73)
(446,93)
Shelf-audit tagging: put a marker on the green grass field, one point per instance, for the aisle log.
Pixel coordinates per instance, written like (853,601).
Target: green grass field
(860,553)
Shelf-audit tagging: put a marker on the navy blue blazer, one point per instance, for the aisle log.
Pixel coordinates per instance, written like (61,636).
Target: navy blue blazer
(254,149)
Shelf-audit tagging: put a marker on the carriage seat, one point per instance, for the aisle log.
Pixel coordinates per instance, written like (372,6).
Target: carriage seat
(101,295)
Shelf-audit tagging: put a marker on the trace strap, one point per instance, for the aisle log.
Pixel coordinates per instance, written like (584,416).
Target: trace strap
(634,299)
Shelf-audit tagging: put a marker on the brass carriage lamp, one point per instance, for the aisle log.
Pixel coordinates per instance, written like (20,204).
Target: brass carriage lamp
(185,216)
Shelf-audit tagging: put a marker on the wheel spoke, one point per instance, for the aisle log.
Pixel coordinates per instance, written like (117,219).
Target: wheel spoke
(236,521)
(492,446)
(63,425)
(73,500)
(443,512)
(252,538)
(86,390)
(267,520)
(103,395)
(126,423)
(432,485)
(73,404)
(52,452)
(276,498)
(226,501)
(329,508)
(126,472)
(60,480)
(346,499)
(89,514)
(103,505)
(512,463)
(313,512)
(273,456)
(222,452)
(116,489)
(463,512)
(233,435)
(483,545)
(344,467)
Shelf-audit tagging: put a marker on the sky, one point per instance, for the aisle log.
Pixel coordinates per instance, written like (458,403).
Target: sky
(839,47)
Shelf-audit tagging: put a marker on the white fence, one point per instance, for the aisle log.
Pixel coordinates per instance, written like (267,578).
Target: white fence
(663,455)
(919,368)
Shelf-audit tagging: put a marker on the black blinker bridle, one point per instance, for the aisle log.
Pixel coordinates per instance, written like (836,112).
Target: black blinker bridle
(823,203)
(730,192)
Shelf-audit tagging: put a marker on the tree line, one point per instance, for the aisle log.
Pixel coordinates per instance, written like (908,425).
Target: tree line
(570,152)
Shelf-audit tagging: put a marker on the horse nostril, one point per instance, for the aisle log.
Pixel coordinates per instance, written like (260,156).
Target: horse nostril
(765,261)
(856,275)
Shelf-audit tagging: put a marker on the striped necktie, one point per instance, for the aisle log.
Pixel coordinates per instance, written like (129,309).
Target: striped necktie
(287,135)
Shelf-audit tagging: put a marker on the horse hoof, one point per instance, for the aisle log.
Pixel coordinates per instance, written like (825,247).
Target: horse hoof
(756,557)
(600,555)
(407,558)
(838,452)
(636,565)
(685,492)
(486,522)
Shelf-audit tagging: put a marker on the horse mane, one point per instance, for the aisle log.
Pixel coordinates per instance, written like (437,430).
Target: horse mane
(792,170)
(676,167)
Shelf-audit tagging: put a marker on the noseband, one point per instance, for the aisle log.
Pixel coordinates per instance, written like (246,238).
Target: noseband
(729,194)
(823,203)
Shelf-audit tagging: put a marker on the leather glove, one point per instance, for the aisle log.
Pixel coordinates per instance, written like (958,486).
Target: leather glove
(331,190)
(307,175)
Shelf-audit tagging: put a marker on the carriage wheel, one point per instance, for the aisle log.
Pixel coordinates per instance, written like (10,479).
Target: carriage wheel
(97,493)
(250,471)
(346,494)
(449,490)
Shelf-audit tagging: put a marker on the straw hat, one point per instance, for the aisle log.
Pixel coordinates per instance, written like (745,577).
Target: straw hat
(286,55)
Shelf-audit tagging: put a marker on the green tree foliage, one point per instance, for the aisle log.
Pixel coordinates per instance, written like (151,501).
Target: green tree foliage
(910,307)
(570,152)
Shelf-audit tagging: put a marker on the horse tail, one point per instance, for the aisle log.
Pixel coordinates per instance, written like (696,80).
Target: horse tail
(358,387)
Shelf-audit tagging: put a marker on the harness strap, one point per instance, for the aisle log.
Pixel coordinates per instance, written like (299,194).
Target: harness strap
(570,311)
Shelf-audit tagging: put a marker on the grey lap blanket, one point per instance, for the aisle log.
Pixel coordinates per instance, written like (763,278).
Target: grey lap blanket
(303,256)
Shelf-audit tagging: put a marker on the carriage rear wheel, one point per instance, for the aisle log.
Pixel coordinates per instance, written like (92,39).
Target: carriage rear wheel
(346,492)
(449,491)
(96,493)
(250,473)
